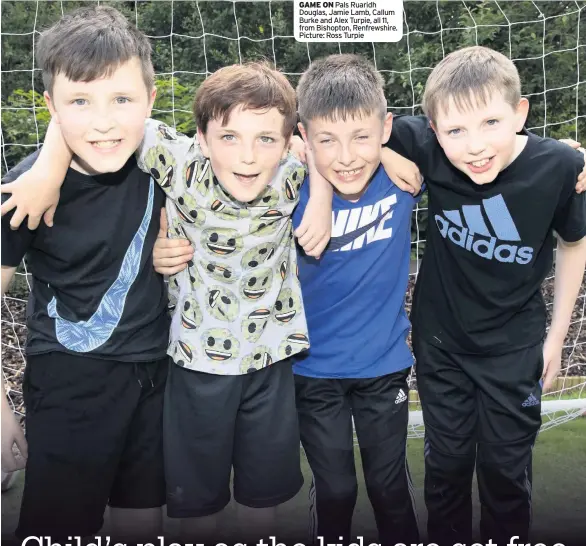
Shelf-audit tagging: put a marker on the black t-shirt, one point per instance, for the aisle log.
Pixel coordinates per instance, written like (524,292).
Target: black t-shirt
(94,288)
(490,247)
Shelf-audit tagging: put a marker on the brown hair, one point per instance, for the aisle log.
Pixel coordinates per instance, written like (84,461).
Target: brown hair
(91,43)
(340,86)
(467,75)
(254,86)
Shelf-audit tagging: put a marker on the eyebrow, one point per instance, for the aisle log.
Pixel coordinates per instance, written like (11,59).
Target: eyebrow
(260,133)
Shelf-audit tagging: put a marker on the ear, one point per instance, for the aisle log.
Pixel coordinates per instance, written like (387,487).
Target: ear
(521,113)
(433,127)
(51,107)
(201,138)
(303,132)
(152,98)
(387,127)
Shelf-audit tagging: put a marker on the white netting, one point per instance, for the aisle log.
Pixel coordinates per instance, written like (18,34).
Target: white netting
(192,39)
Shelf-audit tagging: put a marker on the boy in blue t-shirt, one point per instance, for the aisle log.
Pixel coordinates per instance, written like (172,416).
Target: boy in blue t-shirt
(359,361)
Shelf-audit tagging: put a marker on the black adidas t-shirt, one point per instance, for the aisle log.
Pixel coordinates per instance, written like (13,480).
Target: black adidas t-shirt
(490,247)
(94,288)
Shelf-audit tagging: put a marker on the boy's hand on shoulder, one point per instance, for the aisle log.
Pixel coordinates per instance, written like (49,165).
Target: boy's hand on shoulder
(581,184)
(170,256)
(313,234)
(552,362)
(297,148)
(403,172)
(32,196)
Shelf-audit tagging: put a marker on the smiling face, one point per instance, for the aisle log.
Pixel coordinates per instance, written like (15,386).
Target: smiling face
(347,152)
(245,152)
(481,140)
(102,120)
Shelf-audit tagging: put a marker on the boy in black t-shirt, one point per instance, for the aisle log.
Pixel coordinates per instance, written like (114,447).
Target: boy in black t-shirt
(97,319)
(496,195)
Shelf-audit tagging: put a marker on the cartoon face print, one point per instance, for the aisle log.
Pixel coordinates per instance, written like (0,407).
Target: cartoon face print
(219,344)
(267,223)
(188,210)
(256,284)
(191,315)
(221,241)
(162,166)
(197,175)
(287,307)
(268,198)
(184,353)
(176,229)
(172,303)
(258,359)
(253,326)
(222,303)
(283,264)
(165,132)
(219,272)
(292,344)
(228,212)
(292,183)
(194,276)
(257,255)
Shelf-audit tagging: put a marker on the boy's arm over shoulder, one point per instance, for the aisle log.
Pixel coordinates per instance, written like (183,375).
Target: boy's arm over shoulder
(410,136)
(166,155)
(570,215)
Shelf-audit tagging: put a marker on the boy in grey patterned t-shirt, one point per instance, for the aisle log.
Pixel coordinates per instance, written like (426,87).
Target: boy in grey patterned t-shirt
(238,315)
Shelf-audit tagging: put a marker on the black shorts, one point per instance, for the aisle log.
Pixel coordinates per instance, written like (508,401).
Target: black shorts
(94,433)
(215,422)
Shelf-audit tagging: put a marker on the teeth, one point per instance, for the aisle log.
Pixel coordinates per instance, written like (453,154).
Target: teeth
(481,163)
(347,174)
(106,143)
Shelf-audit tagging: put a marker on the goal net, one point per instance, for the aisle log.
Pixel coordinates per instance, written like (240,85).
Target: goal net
(192,39)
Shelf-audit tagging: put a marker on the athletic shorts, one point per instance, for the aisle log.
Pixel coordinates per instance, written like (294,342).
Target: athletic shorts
(94,433)
(216,423)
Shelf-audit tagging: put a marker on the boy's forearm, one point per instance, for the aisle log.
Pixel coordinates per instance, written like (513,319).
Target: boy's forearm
(55,156)
(569,271)
(7,274)
(319,187)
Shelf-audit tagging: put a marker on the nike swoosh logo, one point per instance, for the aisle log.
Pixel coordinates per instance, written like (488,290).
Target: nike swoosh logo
(85,336)
(342,240)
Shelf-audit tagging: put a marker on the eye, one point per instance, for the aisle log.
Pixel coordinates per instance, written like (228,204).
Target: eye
(122,100)
(325,141)
(492,122)
(79,102)
(229,138)
(454,132)
(267,140)
(363,137)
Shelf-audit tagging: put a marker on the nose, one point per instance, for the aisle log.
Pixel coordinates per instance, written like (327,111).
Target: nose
(475,145)
(103,120)
(346,156)
(247,154)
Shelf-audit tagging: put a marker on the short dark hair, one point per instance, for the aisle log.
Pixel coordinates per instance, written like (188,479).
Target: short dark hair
(254,86)
(91,43)
(339,86)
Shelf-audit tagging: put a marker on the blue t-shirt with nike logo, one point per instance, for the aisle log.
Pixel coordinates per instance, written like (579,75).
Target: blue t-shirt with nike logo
(354,295)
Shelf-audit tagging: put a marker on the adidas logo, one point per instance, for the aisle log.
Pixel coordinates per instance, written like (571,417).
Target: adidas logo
(401,397)
(470,231)
(531,401)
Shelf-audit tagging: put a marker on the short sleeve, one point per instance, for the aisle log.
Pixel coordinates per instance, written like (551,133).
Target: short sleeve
(15,243)
(166,155)
(409,137)
(570,216)
(301,206)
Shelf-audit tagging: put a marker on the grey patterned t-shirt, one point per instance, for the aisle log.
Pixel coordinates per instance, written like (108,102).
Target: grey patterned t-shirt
(238,305)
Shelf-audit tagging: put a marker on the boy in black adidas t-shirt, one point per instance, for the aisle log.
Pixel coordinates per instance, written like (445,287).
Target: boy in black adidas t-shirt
(496,195)
(97,319)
